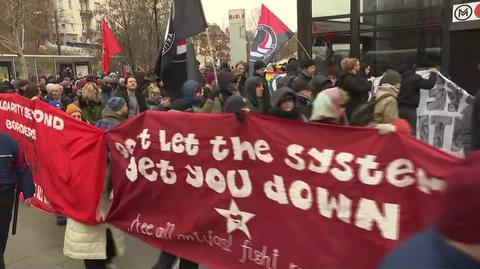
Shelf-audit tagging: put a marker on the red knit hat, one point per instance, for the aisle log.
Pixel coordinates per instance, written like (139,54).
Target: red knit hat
(402,126)
(459,219)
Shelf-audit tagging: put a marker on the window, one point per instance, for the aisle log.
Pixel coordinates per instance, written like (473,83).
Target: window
(421,47)
(403,18)
(60,4)
(70,4)
(99,26)
(322,8)
(385,5)
(63,25)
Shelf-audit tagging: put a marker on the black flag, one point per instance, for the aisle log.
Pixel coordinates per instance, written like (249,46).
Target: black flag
(186,19)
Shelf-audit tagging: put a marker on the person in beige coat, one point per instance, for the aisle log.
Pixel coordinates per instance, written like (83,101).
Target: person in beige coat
(98,244)
(386,110)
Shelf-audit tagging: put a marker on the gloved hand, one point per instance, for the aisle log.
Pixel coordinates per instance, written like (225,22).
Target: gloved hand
(385,128)
(214,93)
(240,115)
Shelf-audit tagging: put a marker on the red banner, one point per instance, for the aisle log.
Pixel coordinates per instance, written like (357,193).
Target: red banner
(67,157)
(271,193)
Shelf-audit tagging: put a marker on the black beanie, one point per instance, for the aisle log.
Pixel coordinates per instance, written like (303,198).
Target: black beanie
(258,65)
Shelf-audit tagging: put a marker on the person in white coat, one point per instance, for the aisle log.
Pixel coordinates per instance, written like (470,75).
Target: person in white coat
(98,244)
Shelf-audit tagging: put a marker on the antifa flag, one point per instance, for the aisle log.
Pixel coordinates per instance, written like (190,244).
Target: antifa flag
(270,36)
(186,19)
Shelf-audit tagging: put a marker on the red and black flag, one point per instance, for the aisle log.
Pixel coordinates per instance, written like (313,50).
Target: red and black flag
(270,36)
(186,20)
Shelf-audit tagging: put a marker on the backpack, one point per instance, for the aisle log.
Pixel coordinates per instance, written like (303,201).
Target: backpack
(363,114)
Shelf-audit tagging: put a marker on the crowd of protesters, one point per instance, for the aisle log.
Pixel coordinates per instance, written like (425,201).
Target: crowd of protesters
(345,98)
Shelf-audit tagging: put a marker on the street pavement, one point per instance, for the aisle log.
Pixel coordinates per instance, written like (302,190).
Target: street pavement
(39,244)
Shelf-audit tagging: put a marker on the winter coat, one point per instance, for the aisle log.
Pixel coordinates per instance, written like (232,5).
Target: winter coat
(109,119)
(428,249)
(466,128)
(213,106)
(386,110)
(255,103)
(107,93)
(304,105)
(92,112)
(154,103)
(357,90)
(65,100)
(412,83)
(83,241)
(266,93)
(276,102)
(475,123)
(301,82)
(123,92)
(13,168)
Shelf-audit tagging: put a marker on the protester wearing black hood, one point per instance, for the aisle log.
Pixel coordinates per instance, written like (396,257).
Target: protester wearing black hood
(409,95)
(293,69)
(284,104)
(318,84)
(259,71)
(256,95)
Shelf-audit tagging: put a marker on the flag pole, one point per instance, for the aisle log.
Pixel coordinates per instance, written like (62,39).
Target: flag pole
(304,49)
(210,47)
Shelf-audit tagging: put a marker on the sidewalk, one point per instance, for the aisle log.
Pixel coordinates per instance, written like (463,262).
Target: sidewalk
(39,244)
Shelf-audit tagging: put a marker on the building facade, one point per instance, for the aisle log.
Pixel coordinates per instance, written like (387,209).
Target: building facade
(78,20)
(390,33)
(238,35)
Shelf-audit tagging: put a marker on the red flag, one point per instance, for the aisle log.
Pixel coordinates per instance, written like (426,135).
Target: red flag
(270,36)
(111,46)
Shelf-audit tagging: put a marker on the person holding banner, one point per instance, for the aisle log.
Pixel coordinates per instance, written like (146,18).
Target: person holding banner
(98,244)
(386,109)
(409,95)
(284,104)
(329,107)
(15,177)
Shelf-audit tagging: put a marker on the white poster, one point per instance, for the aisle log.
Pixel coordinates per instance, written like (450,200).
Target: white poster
(81,70)
(440,113)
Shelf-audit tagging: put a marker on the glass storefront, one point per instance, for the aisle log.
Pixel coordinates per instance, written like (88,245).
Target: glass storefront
(391,32)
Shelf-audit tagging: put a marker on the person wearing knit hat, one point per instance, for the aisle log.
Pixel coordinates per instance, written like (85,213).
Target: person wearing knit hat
(114,113)
(116,103)
(386,109)
(453,241)
(391,77)
(259,68)
(74,111)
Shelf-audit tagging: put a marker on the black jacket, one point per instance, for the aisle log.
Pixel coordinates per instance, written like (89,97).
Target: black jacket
(357,89)
(13,168)
(412,83)
(266,93)
(142,106)
(475,127)
(277,98)
(301,82)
